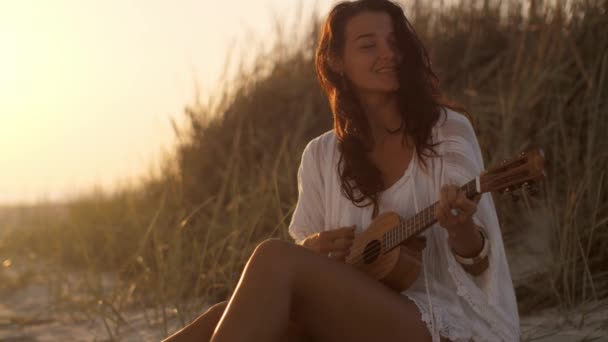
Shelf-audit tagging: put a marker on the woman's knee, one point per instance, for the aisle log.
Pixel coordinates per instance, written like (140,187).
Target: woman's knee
(272,246)
(271,253)
(217,308)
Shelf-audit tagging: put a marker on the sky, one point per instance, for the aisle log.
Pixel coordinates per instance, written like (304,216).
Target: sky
(88,88)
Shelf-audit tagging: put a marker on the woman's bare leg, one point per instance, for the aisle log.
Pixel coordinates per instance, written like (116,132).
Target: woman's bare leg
(329,300)
(201,329)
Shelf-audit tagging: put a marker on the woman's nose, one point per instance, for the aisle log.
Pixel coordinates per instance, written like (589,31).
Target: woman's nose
(388,52)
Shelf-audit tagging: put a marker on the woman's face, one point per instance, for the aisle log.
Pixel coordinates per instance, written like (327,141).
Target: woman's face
(370,57)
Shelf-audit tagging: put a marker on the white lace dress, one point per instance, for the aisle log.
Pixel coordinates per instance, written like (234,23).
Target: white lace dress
(453,303)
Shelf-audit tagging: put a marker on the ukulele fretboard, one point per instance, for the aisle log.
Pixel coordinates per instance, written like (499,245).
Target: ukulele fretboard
(422,220)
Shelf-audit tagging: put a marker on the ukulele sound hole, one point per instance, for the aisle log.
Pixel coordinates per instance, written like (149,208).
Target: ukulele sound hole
(371,252)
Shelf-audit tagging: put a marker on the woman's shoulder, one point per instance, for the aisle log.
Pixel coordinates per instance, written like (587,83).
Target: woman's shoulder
(453,124)
(451,118)
(457,139)
(325,138)
(319,145)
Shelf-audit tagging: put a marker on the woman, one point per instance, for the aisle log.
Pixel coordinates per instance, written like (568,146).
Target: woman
(395,146)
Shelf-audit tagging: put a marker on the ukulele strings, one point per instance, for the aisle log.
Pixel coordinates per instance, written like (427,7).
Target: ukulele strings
(360,256)
(367,253)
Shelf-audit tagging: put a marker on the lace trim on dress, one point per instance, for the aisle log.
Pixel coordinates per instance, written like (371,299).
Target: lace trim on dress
(489,312)
(434,334)
(445,329)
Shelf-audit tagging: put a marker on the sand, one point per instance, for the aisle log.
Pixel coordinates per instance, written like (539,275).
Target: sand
(24,316)
(26,310)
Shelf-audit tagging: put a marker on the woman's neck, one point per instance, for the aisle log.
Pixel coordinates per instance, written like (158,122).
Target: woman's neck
(382,113)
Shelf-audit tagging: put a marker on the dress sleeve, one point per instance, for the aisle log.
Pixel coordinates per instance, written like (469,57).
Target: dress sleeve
(461,153)
(490,293)
(308,217)
(463,161)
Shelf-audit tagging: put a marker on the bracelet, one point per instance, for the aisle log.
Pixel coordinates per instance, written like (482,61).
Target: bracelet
(479,257)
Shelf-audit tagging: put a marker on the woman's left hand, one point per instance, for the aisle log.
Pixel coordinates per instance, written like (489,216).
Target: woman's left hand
(453,200)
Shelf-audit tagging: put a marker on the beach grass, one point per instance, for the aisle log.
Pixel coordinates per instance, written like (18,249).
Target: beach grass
(529,73)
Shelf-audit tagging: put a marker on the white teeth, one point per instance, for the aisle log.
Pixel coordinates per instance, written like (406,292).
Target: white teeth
(385,70)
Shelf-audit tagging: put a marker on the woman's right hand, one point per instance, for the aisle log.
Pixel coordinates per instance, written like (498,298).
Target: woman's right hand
(335,243)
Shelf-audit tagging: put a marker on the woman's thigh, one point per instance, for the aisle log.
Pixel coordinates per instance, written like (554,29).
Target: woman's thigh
(333,301)
(292,332)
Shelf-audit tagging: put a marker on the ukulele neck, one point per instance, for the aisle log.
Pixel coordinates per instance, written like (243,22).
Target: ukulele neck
(408,228)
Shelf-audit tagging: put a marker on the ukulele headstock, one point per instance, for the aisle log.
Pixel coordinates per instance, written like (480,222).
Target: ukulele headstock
(522,171)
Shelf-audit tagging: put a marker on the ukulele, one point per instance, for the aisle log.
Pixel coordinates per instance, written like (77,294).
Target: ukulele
(379,251)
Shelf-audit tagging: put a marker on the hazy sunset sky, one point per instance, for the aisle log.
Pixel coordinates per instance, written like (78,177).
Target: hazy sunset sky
(87,88)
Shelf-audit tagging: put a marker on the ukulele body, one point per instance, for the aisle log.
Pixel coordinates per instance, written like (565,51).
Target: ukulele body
(397,268)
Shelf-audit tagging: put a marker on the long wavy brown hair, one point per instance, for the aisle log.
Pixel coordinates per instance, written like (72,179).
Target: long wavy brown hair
(420,99)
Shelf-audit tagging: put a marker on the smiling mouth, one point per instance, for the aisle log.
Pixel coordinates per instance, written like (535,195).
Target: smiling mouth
(386,70)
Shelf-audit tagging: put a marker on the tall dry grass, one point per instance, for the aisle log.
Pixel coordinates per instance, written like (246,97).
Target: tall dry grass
(529,74)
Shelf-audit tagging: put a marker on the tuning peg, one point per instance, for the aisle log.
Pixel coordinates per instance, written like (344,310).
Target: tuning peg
(507,191)
(526,188)
(515,196)
(530,189)
(533,189)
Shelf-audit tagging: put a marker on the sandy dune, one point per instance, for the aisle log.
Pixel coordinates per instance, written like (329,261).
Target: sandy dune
(25,314)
